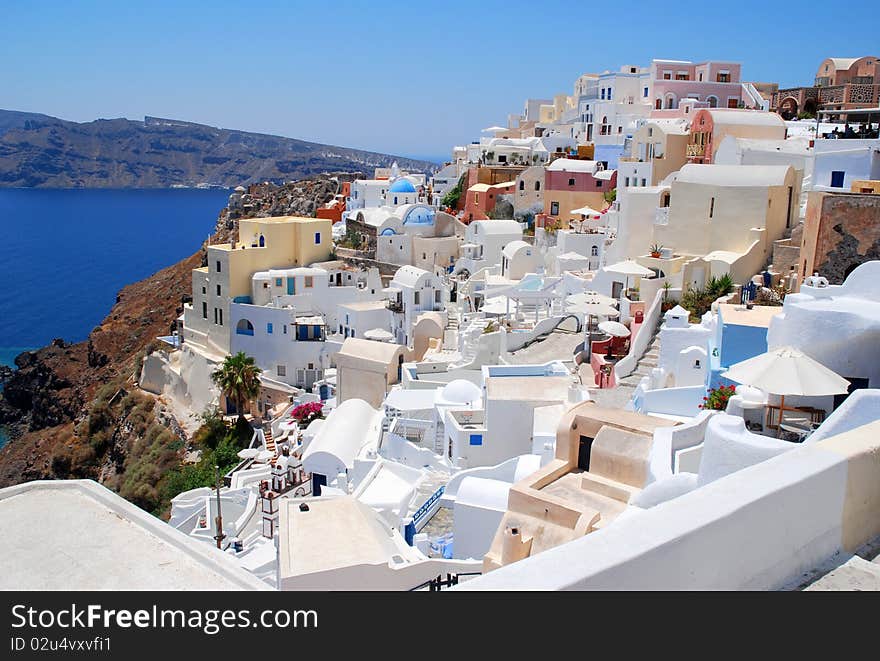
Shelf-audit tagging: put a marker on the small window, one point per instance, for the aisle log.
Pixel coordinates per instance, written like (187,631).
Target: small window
(281,370)
(626,181)
(598,183)
(204,310)
(284,328)
(416,298)
(317,238)
(221,317)
(645,92)
(554,208)
(522,185)
(594,251)
(277,282)
(204,290)
(476,439)
(537,185)
(837,178)
(269,328)
(644,182)
(218,290)
(218,266)
(711,207)
(309,282)
(571,182)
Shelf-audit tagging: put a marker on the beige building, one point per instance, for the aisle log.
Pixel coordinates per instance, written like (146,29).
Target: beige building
(263,243)
(528,195)
(727,215)
(366,369)
(601,463)
(659,148)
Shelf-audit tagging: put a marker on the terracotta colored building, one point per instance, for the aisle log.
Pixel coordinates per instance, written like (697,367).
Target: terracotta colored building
(841,231)
(480,199)
(333,209)
(841,83)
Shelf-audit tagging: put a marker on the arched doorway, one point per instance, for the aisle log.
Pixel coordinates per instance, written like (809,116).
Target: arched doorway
(811,106)
(712,100)
(788,108)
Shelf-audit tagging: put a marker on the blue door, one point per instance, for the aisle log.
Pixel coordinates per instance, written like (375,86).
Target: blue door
(837,178)
(318,481)
(291,286)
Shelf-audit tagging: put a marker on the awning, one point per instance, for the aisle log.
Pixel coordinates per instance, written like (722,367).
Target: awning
(604,174)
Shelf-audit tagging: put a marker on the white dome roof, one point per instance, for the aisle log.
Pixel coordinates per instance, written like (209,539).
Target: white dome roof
(461,391)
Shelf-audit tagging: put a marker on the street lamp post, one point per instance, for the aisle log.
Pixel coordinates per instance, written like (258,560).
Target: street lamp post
(219,537)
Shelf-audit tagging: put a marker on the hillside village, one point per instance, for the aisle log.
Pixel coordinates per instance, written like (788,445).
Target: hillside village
(629,339)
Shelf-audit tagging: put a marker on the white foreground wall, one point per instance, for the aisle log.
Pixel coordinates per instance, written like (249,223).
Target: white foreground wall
(761,528)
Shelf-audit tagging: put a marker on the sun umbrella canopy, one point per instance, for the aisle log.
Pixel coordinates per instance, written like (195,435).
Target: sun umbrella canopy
(586,211)
(596,308)
(630,267)
(787,371)
(378,335)
(589,297)
(494,128)
(614,328)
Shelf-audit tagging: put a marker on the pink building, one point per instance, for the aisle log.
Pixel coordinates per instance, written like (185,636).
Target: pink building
(710,126)
(718,84)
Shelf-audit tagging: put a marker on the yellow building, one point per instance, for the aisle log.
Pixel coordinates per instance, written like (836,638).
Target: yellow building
(263,243)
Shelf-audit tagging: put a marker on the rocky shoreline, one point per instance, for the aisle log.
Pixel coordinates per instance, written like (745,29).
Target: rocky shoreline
(51,403)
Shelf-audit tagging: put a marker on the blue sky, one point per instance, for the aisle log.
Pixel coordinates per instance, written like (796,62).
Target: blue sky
(398,77)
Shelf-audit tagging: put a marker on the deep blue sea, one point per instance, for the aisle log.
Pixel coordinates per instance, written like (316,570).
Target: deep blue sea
(66,253)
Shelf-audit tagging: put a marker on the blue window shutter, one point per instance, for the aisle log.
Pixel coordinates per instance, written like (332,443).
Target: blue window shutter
(476,439)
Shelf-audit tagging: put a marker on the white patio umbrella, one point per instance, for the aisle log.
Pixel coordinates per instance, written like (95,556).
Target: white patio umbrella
(589,297)
(592,309)
(492,129)
(614,329)
(586,211)
(630,267)
(787,371)
(378,335)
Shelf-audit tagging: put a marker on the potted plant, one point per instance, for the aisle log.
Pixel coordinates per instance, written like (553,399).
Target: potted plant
(656,250)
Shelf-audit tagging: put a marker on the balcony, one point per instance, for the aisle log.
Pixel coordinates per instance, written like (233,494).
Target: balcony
(395,305)
(695,150)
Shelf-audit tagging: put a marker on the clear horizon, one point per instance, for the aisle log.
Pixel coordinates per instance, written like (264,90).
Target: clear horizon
(397,81)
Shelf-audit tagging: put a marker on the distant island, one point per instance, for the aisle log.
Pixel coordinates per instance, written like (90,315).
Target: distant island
(39,151)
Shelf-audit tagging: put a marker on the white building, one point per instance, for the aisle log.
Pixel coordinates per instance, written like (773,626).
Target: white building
(411,292)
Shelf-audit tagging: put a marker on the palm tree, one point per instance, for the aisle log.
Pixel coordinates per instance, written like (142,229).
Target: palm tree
(238,378)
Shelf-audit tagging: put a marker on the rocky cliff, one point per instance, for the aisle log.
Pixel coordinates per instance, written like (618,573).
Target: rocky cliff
(74,410)
(45,152)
